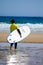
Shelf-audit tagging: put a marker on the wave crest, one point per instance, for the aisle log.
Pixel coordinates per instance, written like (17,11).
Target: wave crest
(33,27)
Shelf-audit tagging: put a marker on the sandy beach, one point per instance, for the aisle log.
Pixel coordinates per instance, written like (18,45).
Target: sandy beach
(33,37)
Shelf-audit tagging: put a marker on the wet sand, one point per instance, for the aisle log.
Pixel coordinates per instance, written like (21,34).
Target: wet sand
(27,54)
(33,37)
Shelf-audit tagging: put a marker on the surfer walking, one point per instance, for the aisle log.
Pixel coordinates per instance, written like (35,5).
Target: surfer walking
(13,27)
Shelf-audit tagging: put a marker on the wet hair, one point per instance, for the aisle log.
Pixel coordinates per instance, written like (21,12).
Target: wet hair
(12,21)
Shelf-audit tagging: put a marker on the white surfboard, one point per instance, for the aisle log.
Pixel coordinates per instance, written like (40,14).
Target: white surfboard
(15,37)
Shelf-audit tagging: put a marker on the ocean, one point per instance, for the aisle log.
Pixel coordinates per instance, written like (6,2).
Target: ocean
(35,23)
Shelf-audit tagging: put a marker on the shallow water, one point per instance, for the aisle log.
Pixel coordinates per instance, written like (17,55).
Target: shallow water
(26,54)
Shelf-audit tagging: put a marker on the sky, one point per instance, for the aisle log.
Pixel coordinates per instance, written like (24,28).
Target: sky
(21,8)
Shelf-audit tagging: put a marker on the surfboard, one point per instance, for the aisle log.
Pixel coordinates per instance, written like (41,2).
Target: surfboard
(15,37)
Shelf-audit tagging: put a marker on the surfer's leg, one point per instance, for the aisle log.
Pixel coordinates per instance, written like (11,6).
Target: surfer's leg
(16,45)
(11,46)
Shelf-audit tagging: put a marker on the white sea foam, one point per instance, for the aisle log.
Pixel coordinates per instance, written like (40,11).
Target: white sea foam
(4,27)
(33,27)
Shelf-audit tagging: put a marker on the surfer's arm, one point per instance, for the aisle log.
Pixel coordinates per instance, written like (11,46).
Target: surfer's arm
(19,32)
(18,29)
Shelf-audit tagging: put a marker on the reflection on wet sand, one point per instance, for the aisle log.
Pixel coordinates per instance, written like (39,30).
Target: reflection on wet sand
(23,56)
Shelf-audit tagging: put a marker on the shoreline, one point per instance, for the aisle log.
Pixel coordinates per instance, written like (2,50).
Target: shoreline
(32,38)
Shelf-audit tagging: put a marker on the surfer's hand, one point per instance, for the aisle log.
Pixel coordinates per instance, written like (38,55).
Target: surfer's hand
(20,35)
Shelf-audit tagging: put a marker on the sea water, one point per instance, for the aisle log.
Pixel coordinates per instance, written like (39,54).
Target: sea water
(35,23)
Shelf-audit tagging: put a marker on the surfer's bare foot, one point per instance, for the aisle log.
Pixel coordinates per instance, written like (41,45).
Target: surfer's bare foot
(15,50)
(10,47)
(10,50)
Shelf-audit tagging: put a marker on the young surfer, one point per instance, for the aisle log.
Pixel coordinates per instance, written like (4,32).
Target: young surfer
(13,27)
